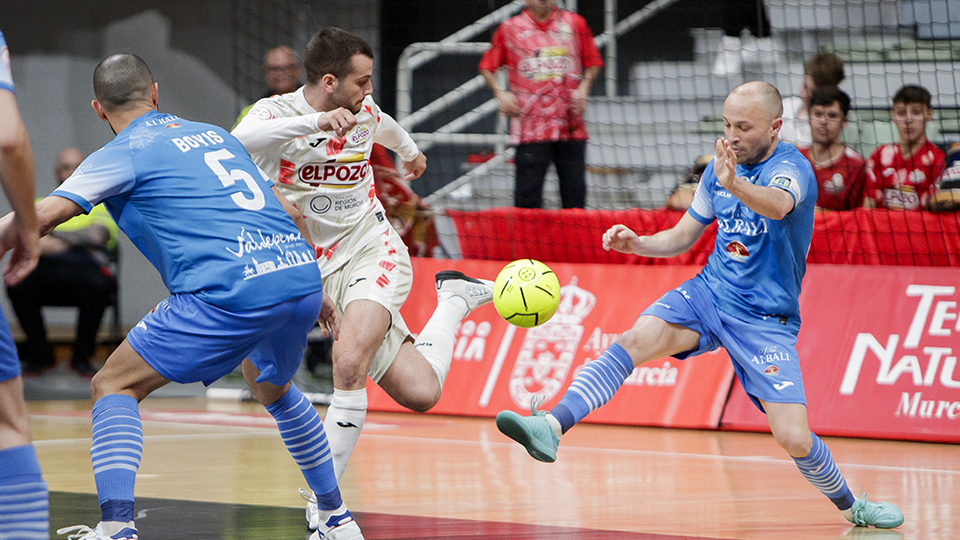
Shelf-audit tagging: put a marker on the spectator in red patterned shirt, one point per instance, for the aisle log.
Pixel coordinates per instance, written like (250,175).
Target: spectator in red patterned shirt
(552,61)
(839,169)
(900,176)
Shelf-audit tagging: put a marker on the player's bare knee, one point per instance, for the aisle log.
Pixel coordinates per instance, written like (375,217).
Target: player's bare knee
(796,442)
(422,401)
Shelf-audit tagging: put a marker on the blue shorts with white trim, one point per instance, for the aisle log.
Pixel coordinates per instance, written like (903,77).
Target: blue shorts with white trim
(764,351)
(187,340)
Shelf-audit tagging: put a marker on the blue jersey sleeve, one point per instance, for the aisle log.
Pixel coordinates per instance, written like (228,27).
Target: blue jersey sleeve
(6,79)
(702,207)
(787,176)
(105,173)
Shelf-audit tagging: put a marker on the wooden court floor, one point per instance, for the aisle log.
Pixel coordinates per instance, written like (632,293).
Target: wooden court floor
(218,469)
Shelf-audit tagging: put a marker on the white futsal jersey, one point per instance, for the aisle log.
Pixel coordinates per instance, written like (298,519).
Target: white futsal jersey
(328,178)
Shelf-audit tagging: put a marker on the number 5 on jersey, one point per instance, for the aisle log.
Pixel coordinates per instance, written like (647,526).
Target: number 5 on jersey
(213,160)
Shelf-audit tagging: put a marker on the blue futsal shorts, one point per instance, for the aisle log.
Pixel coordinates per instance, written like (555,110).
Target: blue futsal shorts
(9,361)
(764,352)
(187,340)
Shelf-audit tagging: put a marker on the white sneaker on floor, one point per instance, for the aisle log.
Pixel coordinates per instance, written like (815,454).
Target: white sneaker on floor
(475,292)
(337,527)
(347,531)
(82,532)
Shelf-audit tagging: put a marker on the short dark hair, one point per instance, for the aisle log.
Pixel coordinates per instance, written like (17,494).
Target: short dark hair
(828,95)
(912,93)
(331,50)
(826,69)
(121,79)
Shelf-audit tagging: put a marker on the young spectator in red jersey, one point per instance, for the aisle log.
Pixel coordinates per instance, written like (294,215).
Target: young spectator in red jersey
(839,169)
(552,61)
(900,176)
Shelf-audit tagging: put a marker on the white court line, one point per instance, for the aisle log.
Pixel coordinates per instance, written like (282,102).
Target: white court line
(662,454)
(263,432)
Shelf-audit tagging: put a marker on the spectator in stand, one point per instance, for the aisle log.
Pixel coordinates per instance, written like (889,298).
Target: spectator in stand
(840,170)
(824,69)
(682,196)
(552,61)
(900,175)
(409,214)
(281,71)
(74,270)
(946,197)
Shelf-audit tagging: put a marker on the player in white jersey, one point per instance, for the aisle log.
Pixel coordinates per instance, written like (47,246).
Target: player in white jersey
(315,144)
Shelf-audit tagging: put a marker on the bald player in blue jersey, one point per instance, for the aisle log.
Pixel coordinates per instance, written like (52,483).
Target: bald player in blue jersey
(762,193)
(243,282)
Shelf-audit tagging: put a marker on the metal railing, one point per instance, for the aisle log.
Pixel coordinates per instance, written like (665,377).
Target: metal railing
(418,54)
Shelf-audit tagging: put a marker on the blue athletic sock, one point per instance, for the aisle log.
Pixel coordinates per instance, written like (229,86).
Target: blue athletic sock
(116,452)
(595,385)
(24,506)
(820,469)
(302,432)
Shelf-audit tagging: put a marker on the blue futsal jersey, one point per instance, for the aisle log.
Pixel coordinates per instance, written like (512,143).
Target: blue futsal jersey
(758,263)
(188,196)
(6,79)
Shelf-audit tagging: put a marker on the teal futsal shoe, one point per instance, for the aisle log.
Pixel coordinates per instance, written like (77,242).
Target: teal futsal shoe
(533,432)
(880,515)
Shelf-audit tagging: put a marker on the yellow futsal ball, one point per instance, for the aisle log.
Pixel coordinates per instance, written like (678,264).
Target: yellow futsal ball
(526,293)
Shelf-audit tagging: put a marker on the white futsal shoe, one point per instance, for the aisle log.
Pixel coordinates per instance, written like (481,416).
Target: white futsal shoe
(82,532)
(475,292)
(338,526)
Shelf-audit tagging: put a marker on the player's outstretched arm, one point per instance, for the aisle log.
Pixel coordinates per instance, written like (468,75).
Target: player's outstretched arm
(50,212)
(668,243)
(769,202)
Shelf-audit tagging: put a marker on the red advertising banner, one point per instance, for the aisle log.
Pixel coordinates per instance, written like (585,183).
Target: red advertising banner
(878,348)
(498,366)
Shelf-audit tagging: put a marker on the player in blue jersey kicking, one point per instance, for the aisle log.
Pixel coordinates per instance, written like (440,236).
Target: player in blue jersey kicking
(761,192)
(243,282)
(23,493)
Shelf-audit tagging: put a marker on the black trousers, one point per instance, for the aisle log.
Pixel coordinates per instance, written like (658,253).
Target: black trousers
(532,159)
(73,278)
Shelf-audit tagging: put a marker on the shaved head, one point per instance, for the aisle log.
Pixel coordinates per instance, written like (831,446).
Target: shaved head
(122,80)
(751,120)
(763,94)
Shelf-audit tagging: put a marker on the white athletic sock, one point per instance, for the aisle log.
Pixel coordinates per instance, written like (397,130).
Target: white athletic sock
(555,424)
(343,423)
(436,341)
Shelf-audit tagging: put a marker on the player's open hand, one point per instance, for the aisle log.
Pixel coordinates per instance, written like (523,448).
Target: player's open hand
(25,247)
(339,121)
(414,168)
(620,238)
(329,320)
(725,166)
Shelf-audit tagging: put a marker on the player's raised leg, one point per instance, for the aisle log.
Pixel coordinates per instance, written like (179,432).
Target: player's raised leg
(415,378)
(788,422)
(649,339)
